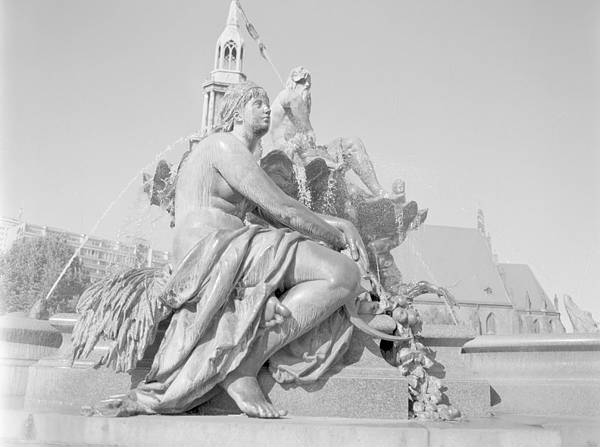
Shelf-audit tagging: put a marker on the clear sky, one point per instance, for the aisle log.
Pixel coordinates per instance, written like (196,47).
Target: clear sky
(491,104)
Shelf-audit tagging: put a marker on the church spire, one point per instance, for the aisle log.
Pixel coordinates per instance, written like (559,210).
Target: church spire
(230,45)
(228,66)
(233,16)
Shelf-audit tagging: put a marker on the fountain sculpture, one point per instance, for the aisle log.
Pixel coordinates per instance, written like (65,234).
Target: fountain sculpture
(233,264)
(278,259)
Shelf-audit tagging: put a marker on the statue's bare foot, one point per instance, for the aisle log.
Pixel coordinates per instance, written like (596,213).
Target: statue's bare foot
(248,396)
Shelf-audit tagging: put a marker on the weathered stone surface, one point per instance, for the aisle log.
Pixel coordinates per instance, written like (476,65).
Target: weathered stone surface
(465,389)
(368,387)
(549,374)
(352,393)
(59,429)
(574,431)
(51,388)
(28,331)
(489,432)
(56,383)
(544,396)
(456,333)
(470,395)
(23,341)
(63,324)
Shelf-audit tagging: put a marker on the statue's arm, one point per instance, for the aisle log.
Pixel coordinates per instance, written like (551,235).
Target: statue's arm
(240,170)
(355,243)
(284,99)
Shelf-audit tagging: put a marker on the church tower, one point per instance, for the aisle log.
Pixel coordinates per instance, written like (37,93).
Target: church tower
(229,58)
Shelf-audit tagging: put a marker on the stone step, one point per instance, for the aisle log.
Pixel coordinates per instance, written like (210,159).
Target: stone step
(23,341)
(64,389)
(539,374)
(351,393)
(367,387)
(23,428)
(575,431)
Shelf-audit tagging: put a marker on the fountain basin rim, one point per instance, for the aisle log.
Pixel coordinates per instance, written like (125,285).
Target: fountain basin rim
(533,343)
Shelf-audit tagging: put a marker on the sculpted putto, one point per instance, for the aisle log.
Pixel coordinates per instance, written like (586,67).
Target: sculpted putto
(239,293)
(292,132)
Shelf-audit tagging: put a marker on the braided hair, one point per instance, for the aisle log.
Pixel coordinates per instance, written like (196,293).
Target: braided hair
(235,99)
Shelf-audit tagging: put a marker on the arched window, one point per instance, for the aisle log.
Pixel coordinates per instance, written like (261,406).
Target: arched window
(225,62)
(476,322)
(490,324)
(517,326)
(536,327)
(229,55)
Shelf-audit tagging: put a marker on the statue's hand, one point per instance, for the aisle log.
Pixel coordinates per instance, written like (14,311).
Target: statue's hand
(275,312)
(353,240)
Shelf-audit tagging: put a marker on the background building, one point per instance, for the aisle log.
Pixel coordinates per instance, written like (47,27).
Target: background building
(493,298)
(534,312)
(98,256)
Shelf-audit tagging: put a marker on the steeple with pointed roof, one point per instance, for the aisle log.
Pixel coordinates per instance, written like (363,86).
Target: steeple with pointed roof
(228,65)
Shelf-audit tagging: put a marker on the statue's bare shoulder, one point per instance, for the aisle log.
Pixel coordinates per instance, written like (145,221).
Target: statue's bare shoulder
(202,170)
(232,168)
(215,151)
(208,148)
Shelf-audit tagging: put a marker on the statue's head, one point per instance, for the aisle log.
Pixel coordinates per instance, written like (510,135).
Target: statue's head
(399,187)
(245,104)
(299,78)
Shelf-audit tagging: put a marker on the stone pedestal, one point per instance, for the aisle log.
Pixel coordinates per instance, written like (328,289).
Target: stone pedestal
(465,389)
(57,383)
(540,374)
(368,387)
(26,429)
(23,341)
(66,390)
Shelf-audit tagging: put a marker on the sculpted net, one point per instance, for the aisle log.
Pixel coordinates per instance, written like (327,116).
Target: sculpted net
(125,310)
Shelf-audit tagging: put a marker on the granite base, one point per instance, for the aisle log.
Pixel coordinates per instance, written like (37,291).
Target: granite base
(23,428)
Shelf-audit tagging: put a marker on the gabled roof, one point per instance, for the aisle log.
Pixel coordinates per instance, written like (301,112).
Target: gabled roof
(521,284)
(458,259)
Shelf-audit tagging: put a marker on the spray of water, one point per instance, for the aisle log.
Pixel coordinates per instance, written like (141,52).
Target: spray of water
(304,195)
(110,206)
(329,199)
(413,248)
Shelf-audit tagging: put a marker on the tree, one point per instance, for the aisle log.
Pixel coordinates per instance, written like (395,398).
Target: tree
(28,271)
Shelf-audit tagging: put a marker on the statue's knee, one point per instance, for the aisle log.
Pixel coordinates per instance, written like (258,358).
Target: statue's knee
(344,275)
